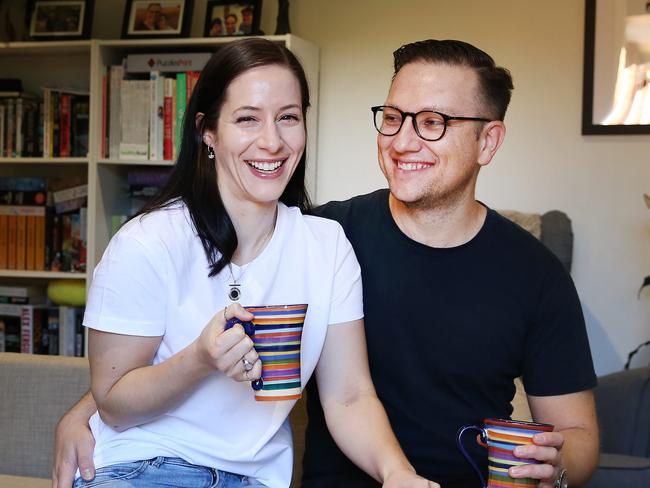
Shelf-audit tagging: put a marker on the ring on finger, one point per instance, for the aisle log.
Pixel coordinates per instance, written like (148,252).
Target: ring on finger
(247,364)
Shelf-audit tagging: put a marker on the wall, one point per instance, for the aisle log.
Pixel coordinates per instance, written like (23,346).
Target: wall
(544,164)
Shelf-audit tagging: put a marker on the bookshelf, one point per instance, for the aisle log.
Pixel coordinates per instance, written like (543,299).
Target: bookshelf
(79,65)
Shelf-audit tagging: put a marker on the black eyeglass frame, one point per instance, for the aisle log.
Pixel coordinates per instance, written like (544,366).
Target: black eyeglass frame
(446,118)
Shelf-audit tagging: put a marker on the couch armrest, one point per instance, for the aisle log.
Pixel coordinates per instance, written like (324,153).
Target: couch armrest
(620,471)
(36,391)
(623,404)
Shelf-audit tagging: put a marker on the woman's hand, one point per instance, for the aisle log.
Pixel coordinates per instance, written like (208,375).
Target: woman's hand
(229,351)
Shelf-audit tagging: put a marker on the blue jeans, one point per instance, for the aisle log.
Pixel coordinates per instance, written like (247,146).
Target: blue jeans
(165,472)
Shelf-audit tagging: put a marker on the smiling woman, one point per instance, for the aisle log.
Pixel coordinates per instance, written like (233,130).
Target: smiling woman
(172,363)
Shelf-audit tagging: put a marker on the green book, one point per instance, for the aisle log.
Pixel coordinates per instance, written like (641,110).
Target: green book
(181,104)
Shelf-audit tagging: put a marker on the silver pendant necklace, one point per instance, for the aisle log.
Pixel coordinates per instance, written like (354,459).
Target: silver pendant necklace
(235,287)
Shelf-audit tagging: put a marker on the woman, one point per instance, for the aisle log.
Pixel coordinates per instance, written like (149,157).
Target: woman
(172,387)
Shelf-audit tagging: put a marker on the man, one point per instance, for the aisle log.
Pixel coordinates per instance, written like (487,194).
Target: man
(150,20)
(458,301)
(246,26)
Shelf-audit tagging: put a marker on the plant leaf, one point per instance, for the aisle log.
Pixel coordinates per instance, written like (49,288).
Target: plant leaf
(646,282)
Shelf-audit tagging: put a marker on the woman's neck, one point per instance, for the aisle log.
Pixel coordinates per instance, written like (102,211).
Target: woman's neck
(254,225)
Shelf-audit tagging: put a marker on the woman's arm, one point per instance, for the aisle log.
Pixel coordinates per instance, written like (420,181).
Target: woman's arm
(355,417)
(129,390)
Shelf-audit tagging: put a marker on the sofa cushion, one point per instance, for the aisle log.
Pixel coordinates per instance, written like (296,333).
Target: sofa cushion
(620,471)
(36,391)
(7,481)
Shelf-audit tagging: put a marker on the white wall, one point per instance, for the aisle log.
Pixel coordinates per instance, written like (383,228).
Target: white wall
(544,164)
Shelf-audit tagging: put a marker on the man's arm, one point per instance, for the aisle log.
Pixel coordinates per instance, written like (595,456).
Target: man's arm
(74,444)
(573,445)
(355,417)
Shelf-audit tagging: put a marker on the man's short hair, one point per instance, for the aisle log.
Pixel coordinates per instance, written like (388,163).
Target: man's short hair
(495,82)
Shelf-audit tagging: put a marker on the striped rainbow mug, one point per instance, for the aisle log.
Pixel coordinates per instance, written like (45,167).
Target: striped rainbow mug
(277,338)
(501,436)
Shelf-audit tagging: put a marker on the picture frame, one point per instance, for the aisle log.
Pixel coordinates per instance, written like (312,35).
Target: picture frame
(58,20)
(225,18)
(151,19)
(612,50)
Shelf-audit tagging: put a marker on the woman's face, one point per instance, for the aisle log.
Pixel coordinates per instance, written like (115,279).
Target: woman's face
(260,135)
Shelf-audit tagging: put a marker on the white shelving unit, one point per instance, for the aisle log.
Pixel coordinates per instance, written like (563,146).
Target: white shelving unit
(78,64)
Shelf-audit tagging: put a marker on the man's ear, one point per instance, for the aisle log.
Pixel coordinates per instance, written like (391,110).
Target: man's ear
(490,140)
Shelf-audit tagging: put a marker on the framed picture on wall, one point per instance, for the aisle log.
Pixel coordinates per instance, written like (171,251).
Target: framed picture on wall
(232,18)
(144,19)
(59,19)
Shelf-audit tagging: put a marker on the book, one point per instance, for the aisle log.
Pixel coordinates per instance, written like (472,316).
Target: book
(79,120)
(11,325)
(135,106)
(3,117)
(168,115)
(116,74)
(181,104)
(33,329)
(156,122)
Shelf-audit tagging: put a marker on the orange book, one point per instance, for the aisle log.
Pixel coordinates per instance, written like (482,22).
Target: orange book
(30,242)
(39,243)
(21,245)
(12,221)
(3,241)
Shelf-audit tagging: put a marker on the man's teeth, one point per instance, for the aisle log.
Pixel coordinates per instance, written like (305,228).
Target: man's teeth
(411,166)
(266,166)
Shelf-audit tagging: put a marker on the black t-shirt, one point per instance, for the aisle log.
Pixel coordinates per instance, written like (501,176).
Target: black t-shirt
(448,330)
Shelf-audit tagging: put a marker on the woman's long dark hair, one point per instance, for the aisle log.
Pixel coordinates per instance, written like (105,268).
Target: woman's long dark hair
(194,178)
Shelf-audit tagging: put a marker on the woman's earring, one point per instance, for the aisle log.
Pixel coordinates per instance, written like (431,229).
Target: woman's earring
(210,152)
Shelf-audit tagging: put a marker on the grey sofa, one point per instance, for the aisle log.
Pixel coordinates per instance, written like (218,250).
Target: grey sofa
(36,391)
(623,403)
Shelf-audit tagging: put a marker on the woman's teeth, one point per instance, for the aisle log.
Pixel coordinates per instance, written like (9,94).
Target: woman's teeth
(265,165)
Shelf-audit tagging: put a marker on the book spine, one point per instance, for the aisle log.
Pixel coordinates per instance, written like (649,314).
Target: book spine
(154,109)
(53,330)
(20,108)
(64,125)
(114,110)
(168,115)
(11,128)
(47,127)
(21,246)
(30,243)
(27,330)
(3,117)
(181,104)
(3,241)
(104,135)
(56,124)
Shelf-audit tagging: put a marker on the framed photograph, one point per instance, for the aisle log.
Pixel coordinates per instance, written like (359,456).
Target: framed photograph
(51,20)
(232,18)
(144,19)
(616,67)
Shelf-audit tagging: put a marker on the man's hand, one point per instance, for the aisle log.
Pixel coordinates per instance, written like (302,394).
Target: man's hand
(547,448)
(73,447)
(407,479)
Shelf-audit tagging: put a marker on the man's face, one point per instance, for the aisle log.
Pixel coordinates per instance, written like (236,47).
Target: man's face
(247,18)
(426,174)
(153,11)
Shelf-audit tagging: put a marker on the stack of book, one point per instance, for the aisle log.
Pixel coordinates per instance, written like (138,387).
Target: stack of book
(143,104)
(42,224)
(52,124)
(29,325)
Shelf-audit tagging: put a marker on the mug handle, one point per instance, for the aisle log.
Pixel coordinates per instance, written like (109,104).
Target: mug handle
(480,440)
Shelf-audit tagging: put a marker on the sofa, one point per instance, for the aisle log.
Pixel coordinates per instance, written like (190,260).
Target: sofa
(623,405)
(37,390)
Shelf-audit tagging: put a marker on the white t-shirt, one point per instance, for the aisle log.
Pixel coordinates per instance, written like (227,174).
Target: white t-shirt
(153,281)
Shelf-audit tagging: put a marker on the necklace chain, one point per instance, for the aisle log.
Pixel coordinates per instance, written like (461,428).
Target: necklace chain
(234,294)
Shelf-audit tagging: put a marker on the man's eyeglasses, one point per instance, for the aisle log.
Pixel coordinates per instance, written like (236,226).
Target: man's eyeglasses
(429,125)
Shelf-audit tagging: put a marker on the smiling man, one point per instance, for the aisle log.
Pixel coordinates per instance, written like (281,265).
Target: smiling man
(458,301)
